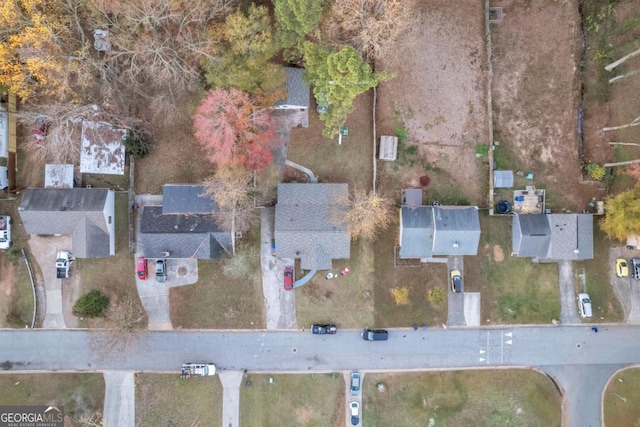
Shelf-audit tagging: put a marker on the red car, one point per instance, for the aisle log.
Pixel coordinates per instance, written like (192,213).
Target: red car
(141,268)
(288,278)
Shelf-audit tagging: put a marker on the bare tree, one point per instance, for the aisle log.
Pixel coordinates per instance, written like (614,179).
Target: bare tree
(57,129)
(370,26)
(367,214)
(232,190)
(124,332)
(158,44)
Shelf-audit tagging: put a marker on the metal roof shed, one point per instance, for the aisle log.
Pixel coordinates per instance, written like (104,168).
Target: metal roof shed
(388,148)
(503,179)
(58,176)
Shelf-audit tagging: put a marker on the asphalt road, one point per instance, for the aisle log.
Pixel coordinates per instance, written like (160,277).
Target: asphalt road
(578,359)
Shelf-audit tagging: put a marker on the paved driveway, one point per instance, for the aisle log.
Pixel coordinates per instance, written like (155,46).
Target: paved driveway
(568,303)
(455,315)
(281,304)
(627,289)
(44,249)
(154,295)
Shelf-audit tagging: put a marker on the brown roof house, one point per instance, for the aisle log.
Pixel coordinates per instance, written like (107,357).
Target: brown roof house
(184,226)
(306,225)
(87,214)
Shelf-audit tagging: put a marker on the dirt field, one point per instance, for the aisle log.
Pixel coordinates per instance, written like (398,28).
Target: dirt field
(439,93)
(536,97)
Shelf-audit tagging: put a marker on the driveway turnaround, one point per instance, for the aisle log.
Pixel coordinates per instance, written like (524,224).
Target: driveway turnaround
(154,295)
(119,399)
(561,351)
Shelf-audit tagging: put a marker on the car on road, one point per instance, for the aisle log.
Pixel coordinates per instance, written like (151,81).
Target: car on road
(635,264)
(288,278)
(456,281)
(584,305)
(323,329)
(355,383)
(5,231)
(622,268)
(161,270)
(375,335)
(141,268)
(355,413)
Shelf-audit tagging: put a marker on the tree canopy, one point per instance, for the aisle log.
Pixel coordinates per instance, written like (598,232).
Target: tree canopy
(337,78)
(623,215)
(233,131)
(295,19)
(245,46)
(43,48)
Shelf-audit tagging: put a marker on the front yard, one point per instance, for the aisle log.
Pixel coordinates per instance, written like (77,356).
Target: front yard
(457,398)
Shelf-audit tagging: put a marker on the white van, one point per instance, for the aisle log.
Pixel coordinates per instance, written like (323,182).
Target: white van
(584,305)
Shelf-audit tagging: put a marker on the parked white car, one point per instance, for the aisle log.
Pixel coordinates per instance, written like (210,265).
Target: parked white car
(584,305)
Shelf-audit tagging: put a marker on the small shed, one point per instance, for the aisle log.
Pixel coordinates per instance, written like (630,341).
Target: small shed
(102,149)
(388,148)
(412,197)
(503,179)
(58,176)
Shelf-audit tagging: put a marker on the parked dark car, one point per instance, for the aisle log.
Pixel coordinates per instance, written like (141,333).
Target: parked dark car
(288,278)
(323,329)
(375,335)
(635,272)
(161,270)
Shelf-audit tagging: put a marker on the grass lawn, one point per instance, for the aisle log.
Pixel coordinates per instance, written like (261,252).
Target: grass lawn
(16,308)
(219,300)
(459,398)
(346,301)
(168,400)
(605,303)
(113,276)
(514,290)
(417,280)
(617,411)
(81,394)
(293,400)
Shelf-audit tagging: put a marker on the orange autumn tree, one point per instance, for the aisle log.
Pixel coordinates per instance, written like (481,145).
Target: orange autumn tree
(233,131)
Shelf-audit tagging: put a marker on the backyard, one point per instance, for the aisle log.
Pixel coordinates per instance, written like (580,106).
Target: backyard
(457,398)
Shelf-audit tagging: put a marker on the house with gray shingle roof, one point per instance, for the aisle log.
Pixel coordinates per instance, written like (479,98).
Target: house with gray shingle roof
(308,226)
(298,97)
(87,214)
(553,236)
(184,226)
(428,231)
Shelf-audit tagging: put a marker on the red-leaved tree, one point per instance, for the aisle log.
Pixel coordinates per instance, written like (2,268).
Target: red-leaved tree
(233,131)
